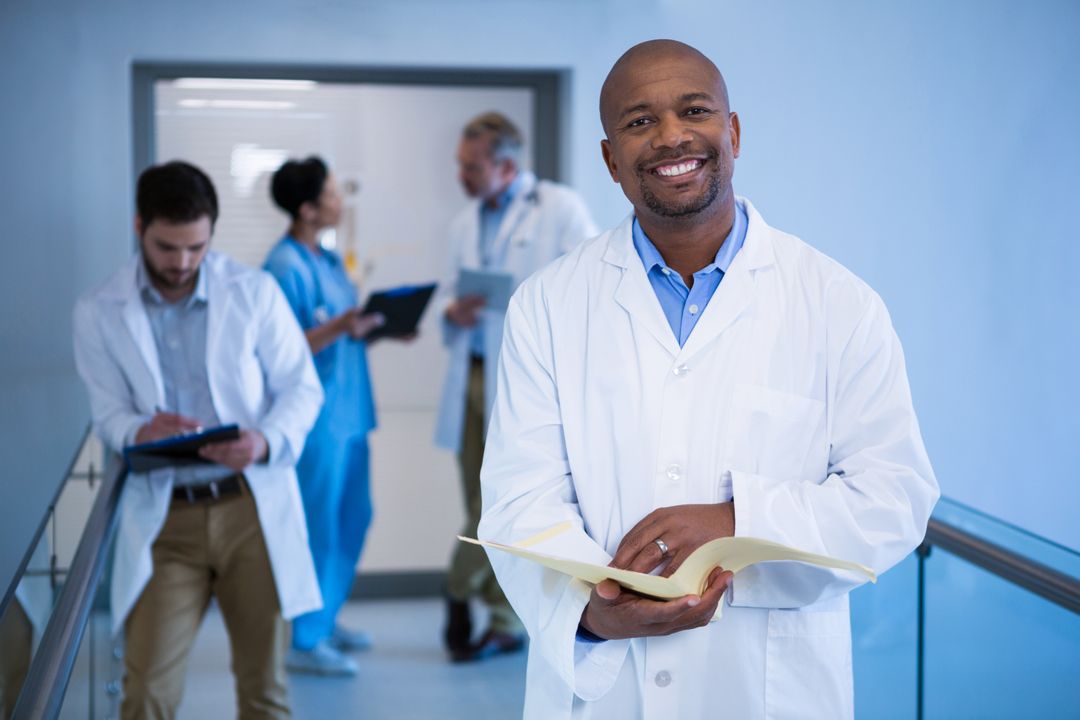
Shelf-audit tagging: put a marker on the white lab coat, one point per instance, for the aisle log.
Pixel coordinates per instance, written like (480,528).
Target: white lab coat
(261,376)
(790,393)
(543,221)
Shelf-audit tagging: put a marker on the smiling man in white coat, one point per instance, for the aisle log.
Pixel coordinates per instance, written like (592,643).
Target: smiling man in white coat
(515,225)
(690,375)
(178,338)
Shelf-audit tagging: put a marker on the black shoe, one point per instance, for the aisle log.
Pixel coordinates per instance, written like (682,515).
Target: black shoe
(458,626)
(492,643)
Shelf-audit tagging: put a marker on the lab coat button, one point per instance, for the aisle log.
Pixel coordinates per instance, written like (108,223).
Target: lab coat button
(674,472)
(663,678)
(680,371)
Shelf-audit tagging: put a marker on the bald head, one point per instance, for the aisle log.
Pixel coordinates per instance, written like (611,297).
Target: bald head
(671,138)
(616,96)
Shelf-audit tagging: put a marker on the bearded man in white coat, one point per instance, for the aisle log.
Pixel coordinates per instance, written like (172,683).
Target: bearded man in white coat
(690,375)
(514,225)
(177,339)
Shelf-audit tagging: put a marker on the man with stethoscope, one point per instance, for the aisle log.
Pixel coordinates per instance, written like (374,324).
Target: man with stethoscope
(515,224)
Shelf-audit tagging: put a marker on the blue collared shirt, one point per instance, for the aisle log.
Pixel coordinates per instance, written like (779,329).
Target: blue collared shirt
(179,330)
(683,306)
(491,219)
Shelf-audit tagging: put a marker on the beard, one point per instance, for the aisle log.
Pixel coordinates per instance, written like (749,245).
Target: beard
(689,206)
(169,279)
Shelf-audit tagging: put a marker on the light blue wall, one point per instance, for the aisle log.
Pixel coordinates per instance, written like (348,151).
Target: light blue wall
(930,146)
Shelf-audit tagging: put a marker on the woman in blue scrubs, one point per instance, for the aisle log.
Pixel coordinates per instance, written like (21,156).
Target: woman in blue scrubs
(333,469)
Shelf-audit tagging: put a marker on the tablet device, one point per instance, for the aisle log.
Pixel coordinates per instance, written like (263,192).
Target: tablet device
(177,451)
(402,308)
(495,287)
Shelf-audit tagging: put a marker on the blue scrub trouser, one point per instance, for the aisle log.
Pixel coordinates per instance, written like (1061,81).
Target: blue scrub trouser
(334,485)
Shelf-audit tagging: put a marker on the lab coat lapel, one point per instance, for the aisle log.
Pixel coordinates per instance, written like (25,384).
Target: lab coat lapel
(730,301)
(736,292)
(218,298)
(515,215)
(634,293)
(137,323)
(470,244)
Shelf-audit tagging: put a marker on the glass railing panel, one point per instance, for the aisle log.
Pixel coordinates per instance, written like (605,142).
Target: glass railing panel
(43,419)
(93,692)
(884,643)
(29,612)
(995,650)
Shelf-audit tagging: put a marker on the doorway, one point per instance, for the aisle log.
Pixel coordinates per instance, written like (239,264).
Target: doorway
(390,137)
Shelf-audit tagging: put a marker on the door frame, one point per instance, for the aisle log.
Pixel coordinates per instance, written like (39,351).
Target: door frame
(547,86)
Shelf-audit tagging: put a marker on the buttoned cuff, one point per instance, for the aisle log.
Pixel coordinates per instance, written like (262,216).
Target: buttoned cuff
(275,444)
(132,430)
(782,583)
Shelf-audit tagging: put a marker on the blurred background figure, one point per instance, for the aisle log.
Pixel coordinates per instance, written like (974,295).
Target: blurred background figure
(515,224)
(333,469)
(181,327)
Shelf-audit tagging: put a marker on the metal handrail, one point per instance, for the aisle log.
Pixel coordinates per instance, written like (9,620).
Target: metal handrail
(43,691)
(1043,580)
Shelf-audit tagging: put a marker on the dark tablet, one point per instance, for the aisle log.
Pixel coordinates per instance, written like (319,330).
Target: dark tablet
(402,308)
(178,450)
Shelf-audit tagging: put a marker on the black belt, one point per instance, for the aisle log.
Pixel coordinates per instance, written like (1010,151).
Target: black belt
(213,490)
(475,360)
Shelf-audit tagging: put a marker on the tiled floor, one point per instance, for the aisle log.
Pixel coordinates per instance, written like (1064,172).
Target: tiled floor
(406,676)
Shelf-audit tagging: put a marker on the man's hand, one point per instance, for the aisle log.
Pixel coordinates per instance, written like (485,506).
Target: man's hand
(164,425)
(237,454)
(614,613)
(465,311)
(683,528)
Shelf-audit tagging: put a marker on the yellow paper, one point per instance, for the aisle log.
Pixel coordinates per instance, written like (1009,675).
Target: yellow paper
(731,553)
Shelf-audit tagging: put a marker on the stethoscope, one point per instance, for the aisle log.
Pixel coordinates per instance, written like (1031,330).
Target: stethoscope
(517,240)
(321,313)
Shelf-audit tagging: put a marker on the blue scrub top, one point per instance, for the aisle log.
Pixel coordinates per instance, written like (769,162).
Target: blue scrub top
(317,288)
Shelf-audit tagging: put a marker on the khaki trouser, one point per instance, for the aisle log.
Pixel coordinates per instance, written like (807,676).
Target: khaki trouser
(470,571)
(208,549)
(16,644)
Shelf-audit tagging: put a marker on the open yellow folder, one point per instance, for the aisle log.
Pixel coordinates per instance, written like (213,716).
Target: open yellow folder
(730,553)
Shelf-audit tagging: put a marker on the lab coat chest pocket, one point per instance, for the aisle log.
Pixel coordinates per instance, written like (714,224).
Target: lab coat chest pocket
(808,665)
(771,432)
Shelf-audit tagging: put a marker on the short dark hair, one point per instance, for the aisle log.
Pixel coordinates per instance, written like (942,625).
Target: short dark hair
(176,192)
(297,182)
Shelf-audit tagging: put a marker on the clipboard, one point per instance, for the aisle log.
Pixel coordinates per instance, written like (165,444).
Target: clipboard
(401,306)
(177,451)
(495,287)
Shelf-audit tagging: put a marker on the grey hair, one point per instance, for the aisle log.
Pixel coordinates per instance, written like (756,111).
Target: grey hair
(506,140)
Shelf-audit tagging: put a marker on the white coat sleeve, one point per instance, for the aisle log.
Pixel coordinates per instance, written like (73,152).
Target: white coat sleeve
(292,384)
(112,402)
(874,504)
(527,488)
